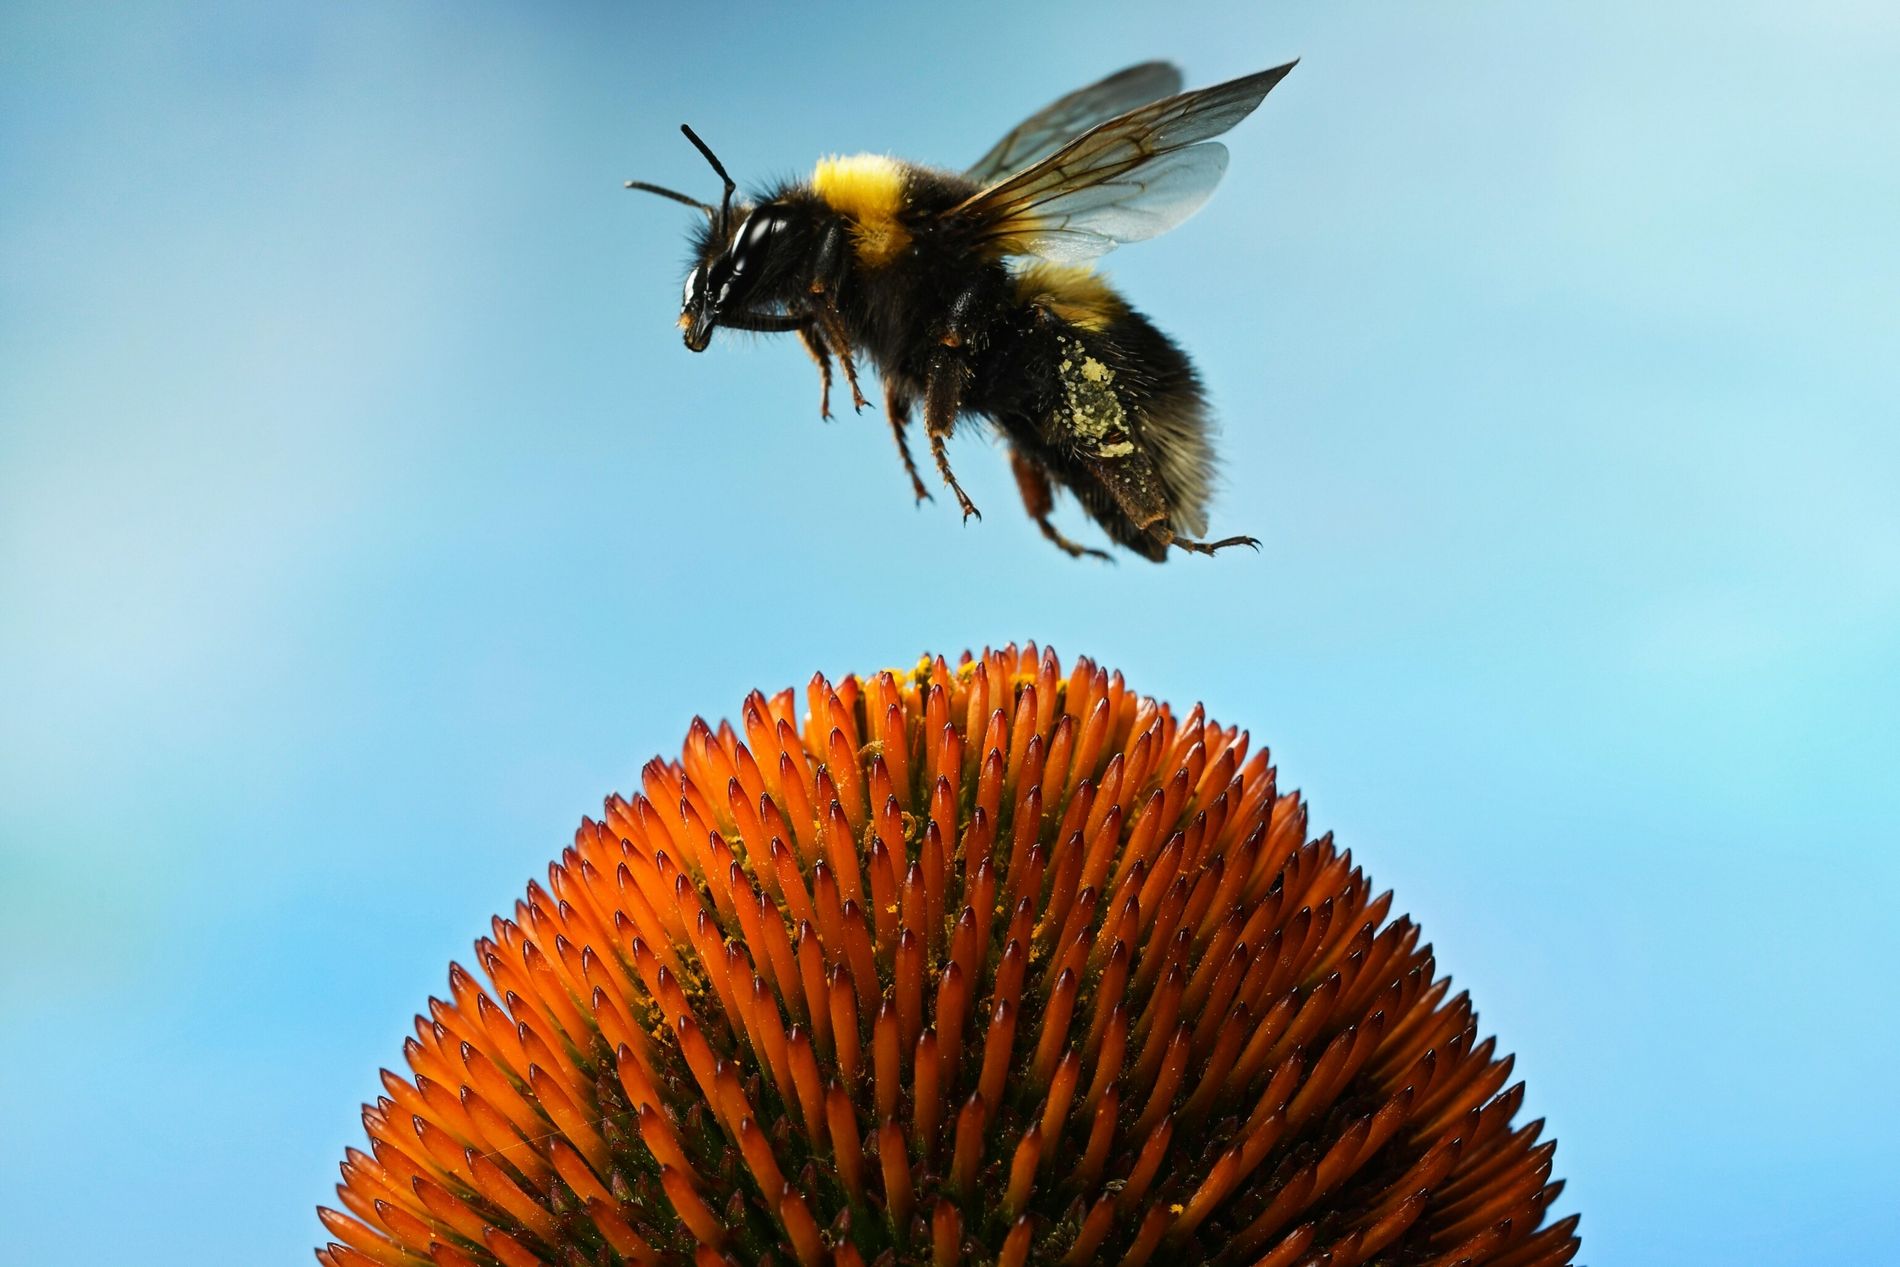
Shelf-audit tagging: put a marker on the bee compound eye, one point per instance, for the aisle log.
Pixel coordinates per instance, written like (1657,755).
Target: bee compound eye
(737,272)
(754,240)
(690,290)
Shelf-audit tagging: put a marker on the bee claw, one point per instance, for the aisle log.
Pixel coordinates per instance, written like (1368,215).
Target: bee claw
(949,478)
(1210,547)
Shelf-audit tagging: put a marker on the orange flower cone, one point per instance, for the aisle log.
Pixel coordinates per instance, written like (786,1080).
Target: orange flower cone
(985,964)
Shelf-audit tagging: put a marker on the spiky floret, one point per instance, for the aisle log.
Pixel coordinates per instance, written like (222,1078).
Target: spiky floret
(985,964)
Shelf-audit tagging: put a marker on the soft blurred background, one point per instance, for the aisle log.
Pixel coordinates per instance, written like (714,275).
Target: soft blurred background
(363,522)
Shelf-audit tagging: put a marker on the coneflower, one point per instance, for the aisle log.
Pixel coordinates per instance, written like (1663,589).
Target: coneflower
(984,963)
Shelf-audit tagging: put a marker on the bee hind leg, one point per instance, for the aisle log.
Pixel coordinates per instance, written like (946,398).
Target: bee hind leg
(897,409)
(1210,547)
(1039,500)
(1130,484)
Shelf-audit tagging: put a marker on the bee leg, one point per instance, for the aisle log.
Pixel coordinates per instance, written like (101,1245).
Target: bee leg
(1209,547)
(814,342)
(832,324)
(829,265)
(1039,500)
(943,469)
(945,379)
(943,400)
(1131,480)
(897,409)
(807,329)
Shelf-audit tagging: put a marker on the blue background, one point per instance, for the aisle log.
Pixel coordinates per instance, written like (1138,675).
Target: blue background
(362,522)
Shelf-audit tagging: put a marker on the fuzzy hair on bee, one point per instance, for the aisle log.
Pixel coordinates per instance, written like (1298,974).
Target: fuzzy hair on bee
(973,295)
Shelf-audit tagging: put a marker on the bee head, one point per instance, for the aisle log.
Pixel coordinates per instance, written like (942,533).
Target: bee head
(725,279)
(730,256)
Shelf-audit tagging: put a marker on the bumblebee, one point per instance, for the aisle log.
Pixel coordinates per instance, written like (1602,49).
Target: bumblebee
(972,295)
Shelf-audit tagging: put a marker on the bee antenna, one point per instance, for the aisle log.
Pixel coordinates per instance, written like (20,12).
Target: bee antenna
(675,195)
(725,202)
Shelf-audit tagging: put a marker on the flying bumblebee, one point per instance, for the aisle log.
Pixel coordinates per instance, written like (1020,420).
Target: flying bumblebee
(972,295)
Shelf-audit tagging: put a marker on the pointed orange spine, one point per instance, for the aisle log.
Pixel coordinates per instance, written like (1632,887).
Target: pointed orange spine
(897,1186)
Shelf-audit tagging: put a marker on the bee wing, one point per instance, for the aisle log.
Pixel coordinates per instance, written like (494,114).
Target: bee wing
(1056,124)
(1131,178)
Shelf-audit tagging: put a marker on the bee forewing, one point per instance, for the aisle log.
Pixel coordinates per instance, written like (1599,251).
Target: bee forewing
(1131,178)
(1056,124)
(1144,203)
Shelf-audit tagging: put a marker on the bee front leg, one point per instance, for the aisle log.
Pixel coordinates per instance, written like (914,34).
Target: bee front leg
(808,333)
(832,324)
(828,270)
(814,341)
(897,409)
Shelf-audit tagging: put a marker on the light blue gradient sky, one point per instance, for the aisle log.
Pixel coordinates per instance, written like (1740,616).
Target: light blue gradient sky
(362,522)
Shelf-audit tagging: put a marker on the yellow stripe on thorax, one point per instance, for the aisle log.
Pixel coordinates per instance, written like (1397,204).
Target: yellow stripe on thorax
(1077,294)
(867,189)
